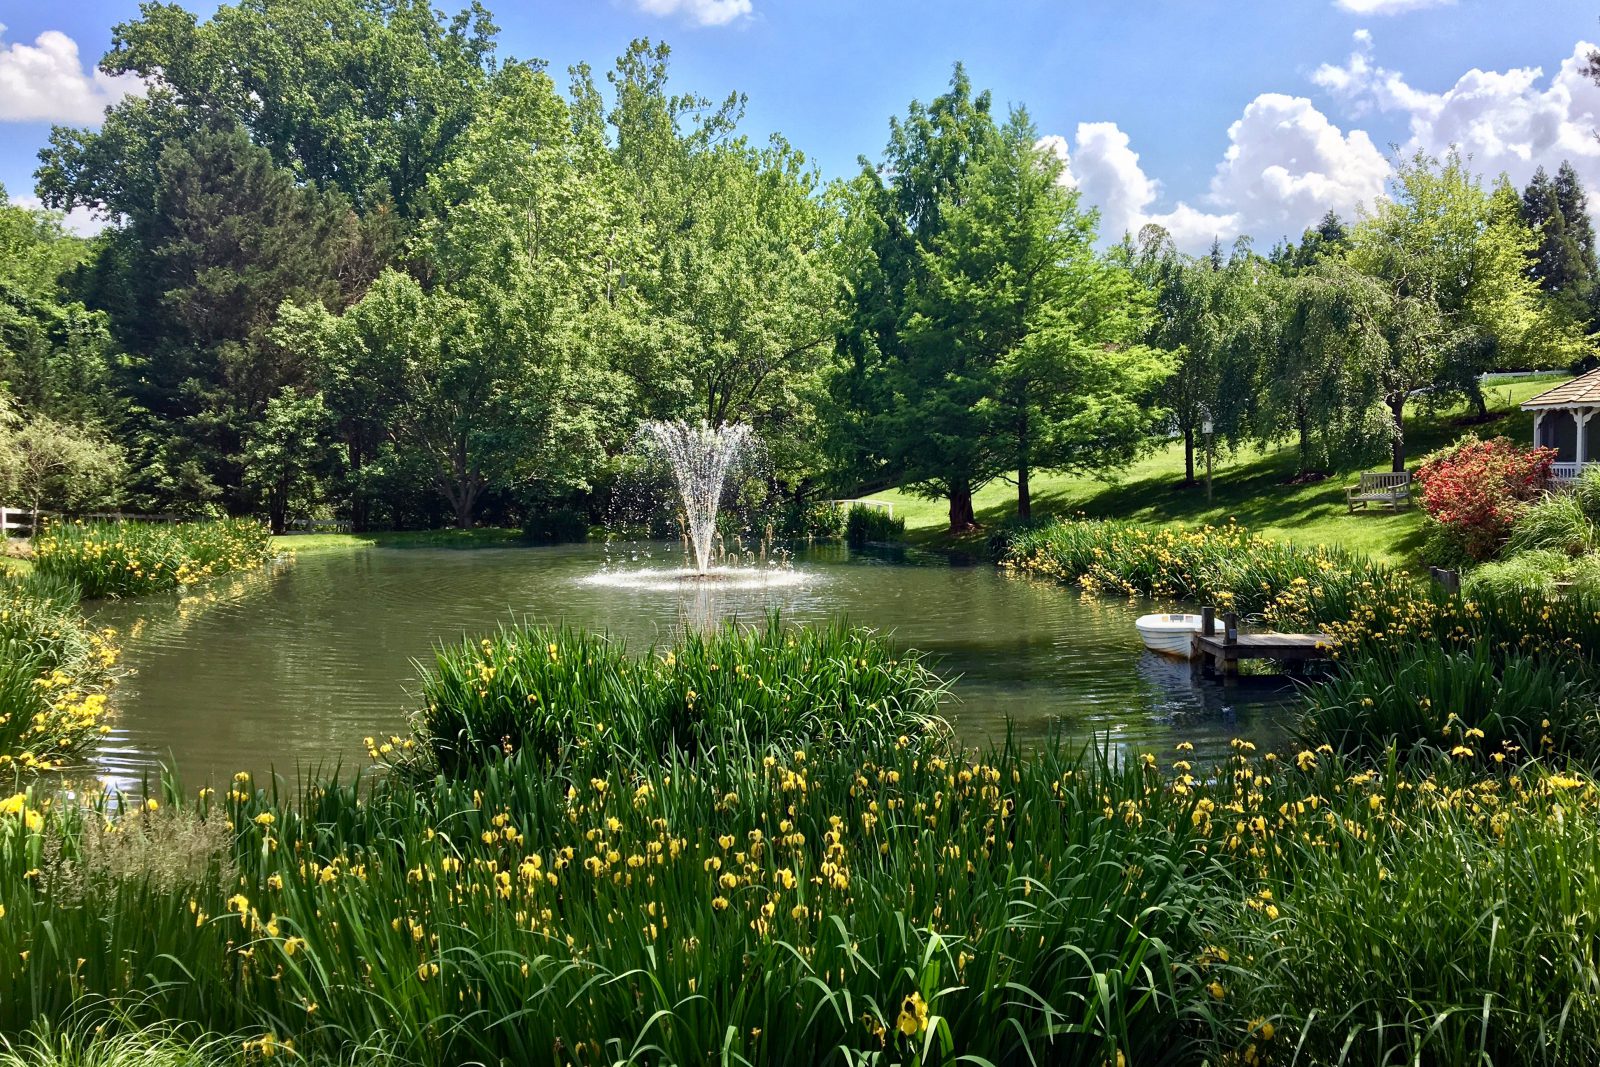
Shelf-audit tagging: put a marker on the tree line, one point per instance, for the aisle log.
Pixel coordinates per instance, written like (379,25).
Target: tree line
(358,263)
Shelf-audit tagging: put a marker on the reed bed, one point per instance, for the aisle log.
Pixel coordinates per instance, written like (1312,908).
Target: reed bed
(1223,565)
(122,559)
(564,697)
(55,672)
(1050,908)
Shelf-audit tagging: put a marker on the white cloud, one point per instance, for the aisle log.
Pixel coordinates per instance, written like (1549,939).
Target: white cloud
(704,12)
(79,220)
(1285,166)
(1513,121)
(46,82)
(1387,7)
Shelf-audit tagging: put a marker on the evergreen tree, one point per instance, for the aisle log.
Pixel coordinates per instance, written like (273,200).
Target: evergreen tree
(1563,261)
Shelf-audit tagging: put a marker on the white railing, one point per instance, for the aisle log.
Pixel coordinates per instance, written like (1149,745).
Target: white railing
(1565,474)
(318,525)
(29,519)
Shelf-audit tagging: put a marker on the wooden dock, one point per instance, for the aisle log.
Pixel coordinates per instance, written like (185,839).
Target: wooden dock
(1218,649)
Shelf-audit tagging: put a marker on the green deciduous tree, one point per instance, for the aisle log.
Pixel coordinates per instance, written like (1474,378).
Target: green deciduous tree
(49,464)
(1452,259)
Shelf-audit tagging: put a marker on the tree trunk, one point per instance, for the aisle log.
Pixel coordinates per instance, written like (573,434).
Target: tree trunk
(464,508)
(1397,408)
(1024,496)
(962,518)
(1188,455)
(360,506)
(278,512)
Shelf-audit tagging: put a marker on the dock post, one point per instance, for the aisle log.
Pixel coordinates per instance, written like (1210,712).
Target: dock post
(1208,620)
(1230,656)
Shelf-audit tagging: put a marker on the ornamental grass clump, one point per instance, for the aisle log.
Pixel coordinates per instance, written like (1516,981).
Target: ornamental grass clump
(122,559)
(565,697)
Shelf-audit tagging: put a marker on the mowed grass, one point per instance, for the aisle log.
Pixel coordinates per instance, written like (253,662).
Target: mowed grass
(1250,487)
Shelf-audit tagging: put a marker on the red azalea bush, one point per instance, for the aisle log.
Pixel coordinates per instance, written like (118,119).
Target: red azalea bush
(1475,489)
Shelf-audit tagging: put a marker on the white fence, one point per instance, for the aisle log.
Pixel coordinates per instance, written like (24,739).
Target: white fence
(846,505)
(29,520)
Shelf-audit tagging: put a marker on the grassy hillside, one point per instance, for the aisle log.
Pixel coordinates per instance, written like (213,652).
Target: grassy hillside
(1249,487)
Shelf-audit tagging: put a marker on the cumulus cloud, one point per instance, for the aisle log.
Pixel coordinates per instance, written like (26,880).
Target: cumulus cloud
(79,220)
(1513,121)
(46,82)
(704,12)
(1387,7)
(1285,166)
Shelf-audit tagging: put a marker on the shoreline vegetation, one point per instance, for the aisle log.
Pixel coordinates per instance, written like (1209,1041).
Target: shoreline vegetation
(58,670)
(761,840)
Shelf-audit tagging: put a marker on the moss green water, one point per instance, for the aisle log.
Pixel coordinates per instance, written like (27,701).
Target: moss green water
(295,667)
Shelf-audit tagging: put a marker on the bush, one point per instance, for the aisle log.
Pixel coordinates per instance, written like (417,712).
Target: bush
(812,520)
(119,559)
(567,698)
(1476,489)
(865,524)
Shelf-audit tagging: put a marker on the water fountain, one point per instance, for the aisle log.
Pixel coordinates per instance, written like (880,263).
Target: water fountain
(690,468)
(700,456)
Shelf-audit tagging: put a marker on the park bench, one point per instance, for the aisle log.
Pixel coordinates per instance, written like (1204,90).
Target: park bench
(1380,487)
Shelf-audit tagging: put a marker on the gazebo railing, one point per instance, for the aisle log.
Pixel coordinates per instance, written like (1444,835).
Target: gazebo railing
(1564,474)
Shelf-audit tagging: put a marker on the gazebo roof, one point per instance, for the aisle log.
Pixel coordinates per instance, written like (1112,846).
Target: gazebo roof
(1581,392)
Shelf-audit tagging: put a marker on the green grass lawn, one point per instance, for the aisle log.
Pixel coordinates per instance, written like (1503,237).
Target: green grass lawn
(1249,487)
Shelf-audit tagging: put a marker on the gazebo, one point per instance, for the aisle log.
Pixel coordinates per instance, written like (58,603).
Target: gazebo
(1562,421)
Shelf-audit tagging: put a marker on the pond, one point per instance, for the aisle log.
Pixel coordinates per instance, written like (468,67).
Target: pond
(295,666)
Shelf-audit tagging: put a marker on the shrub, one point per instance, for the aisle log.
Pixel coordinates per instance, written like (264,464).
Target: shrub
(812,520)
(564,697)
(1476,489)
(864,524)
(123,559)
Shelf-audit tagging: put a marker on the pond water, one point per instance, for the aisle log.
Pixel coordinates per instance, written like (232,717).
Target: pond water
(293,667)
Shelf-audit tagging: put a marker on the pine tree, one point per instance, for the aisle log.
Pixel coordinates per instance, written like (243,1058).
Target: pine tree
(1563,263)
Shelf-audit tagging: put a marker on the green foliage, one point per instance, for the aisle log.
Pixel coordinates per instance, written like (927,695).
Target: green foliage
(1451,259)
(1535,570)
(992,336)
(54,671)
(569,699)
(119,559)
(1224,566)
(1563,259)
(159,1045)
(864,524)
(1428,696)
(1556,522)
(1450,939)
(56,466)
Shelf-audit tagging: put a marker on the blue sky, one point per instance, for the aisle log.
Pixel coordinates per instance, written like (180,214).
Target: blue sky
(1213,117)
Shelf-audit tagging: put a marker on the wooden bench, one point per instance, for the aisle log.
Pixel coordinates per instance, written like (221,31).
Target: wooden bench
(1380,487)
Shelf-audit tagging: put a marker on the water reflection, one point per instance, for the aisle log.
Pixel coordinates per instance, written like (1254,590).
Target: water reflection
(299,666)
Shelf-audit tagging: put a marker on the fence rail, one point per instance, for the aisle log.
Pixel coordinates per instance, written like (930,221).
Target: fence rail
(884,505)
(29,519)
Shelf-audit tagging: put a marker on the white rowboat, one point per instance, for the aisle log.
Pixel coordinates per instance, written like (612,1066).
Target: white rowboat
(1168,634)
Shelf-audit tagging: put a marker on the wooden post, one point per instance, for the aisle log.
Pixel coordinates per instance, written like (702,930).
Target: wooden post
(1449,580)
(1208,620)
(1230,638)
